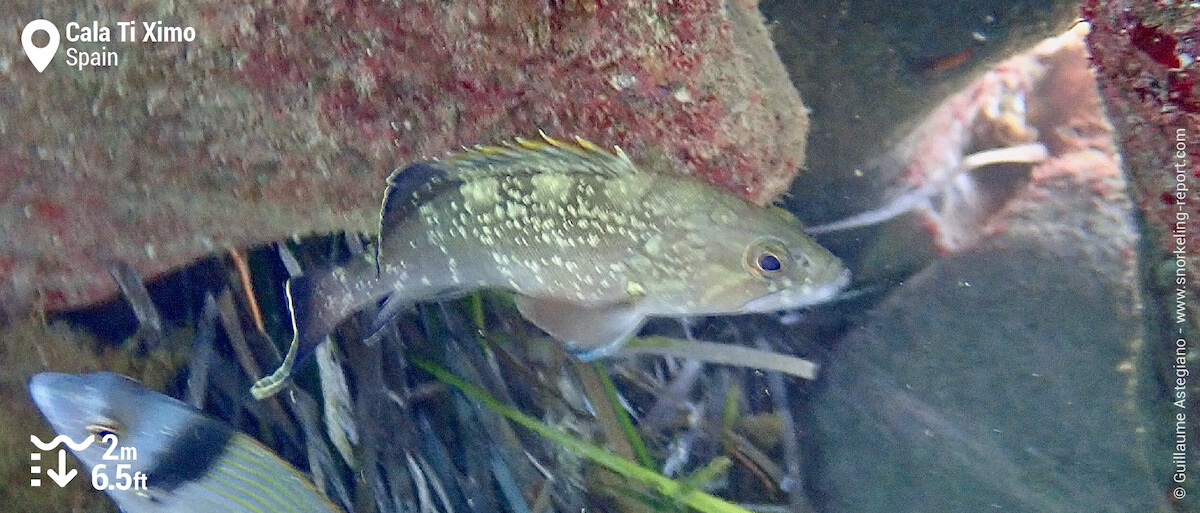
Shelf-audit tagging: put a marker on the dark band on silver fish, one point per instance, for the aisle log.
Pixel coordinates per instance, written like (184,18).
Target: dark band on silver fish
(190,455)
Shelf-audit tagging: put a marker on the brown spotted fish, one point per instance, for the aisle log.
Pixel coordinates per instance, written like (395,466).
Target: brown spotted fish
(590,244)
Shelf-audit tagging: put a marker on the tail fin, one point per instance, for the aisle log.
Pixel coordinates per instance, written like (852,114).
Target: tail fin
(299,291)
(317,303)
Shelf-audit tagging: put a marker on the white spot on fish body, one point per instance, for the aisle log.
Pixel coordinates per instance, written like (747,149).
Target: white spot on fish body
(653,246)
(428,213)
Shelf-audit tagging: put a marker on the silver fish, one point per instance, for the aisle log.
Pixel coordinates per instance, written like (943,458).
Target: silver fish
(192,463)
(590,244)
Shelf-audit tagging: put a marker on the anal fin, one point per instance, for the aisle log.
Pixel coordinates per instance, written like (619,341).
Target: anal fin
(588,332)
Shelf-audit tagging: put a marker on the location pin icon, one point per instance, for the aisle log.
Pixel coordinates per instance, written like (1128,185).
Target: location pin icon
(40,57)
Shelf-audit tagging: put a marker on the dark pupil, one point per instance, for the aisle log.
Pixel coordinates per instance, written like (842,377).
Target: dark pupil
(769,262)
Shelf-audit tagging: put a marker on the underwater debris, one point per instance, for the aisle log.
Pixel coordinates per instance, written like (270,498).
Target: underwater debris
(954,187)
(202,353)
(944,184)
(931,169)
(338,407)
(150,328)
(725,354)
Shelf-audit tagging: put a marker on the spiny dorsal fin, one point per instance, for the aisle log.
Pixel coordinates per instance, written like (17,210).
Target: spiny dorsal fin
(411,186)
(526,156)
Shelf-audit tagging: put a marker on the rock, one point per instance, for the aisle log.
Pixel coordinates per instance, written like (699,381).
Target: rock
(1005,377)
(283,119)
(1144,53)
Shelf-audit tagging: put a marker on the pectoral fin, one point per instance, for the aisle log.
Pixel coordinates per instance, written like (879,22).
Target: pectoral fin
(589,332)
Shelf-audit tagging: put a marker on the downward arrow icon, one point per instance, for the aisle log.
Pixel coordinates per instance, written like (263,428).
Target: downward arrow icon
(62,477)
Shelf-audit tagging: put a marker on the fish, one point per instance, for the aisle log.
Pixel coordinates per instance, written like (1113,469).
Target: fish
(590,244)
(191,462)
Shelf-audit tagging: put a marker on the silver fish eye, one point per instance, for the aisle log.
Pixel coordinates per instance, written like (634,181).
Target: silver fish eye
(101,430)
(767,259)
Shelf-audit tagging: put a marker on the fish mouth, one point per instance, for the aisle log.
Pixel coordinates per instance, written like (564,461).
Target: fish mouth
(789,299)
(59,398)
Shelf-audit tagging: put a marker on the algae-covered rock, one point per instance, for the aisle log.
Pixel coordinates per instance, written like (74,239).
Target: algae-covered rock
(283,118)
(1010,376)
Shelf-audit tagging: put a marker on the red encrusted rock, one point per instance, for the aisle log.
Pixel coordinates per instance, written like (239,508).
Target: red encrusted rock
(284,118)
(1145,55)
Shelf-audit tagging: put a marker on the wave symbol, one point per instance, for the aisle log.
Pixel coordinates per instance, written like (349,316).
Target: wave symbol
(62,439)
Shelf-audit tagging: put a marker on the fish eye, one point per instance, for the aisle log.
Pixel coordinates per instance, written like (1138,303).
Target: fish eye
(769,262)
(767,259)
(102,431)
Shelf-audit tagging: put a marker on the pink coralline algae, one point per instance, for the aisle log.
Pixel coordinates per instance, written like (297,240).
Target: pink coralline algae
(1145,55)
(283,118)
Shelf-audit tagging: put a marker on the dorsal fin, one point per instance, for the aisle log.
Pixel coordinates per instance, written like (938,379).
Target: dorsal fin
(525,156)
(411,186)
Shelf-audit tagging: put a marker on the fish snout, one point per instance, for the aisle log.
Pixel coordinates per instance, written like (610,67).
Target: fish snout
(807,294)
